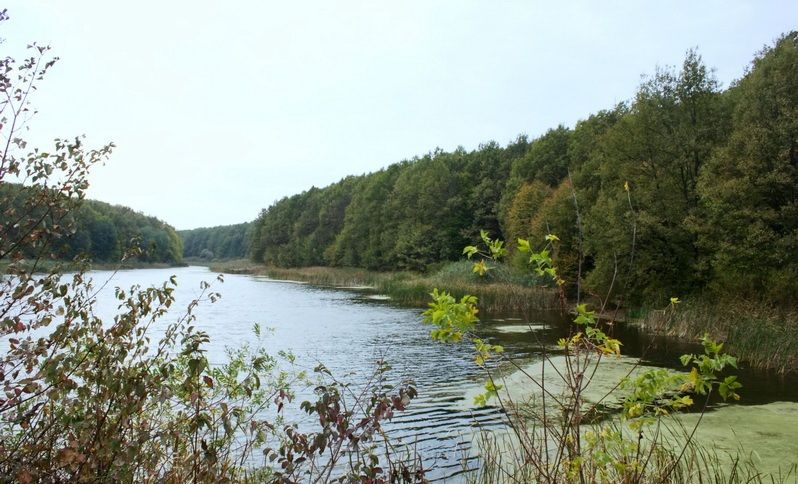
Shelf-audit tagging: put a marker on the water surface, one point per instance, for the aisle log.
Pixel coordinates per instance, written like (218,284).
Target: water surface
(348,331)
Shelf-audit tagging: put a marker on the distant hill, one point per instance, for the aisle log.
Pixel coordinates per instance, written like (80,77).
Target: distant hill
(220,242)
(100,230)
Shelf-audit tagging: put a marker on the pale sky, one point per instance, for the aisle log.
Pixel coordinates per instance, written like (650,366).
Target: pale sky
(220,108)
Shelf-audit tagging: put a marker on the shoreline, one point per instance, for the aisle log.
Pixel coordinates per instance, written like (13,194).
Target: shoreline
(44,266)
(763,337)
(407,288)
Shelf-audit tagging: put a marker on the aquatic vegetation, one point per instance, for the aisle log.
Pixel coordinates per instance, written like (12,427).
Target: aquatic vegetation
(563,428)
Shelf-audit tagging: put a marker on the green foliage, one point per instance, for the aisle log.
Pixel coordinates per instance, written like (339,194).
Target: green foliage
(454,321)
(98,230)
(685,187)
(524,207)
(222,242)
(542,262)
(653,394)
(590,338)
(452,318)
(407,216)
(94,400)
(494,251)
(491,391)
(484,351)
(114,229)
(547,159)
(658,149)
(748,188)
(707,367)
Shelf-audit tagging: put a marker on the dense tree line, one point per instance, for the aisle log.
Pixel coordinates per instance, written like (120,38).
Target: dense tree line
(686,187)
(406,216)
(221,242)
(98,230)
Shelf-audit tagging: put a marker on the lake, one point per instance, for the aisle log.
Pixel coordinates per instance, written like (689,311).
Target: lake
(349,330)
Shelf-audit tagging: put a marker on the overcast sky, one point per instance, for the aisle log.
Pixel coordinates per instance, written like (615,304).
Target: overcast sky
(220,108)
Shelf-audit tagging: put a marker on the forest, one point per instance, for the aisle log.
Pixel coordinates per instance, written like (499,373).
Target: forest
(687,188)
(99,230)
(221,242)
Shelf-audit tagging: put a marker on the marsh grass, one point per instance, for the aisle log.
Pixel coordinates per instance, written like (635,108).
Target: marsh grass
(502,461)
(231,266)
(494,298)
(502,293)
(329,276)
(763,335)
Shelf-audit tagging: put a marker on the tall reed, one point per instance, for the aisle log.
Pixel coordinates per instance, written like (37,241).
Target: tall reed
(764,335)
(502,295)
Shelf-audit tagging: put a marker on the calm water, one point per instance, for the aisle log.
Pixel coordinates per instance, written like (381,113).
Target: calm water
(348,332)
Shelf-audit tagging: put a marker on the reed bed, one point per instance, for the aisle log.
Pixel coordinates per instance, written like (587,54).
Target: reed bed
(501,460)
(494,298)
(500,293)
(329,276)
(764,335)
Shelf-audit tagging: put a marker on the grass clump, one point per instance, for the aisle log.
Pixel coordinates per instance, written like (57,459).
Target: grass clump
(766,336)
(502,292)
